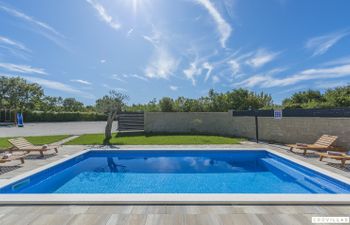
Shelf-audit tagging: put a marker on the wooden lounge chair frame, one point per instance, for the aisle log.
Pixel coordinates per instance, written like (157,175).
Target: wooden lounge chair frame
(343,158)
(21,144)
(324,143)
(13,157)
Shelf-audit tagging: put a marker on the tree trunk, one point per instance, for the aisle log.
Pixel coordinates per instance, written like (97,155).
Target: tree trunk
(108,129)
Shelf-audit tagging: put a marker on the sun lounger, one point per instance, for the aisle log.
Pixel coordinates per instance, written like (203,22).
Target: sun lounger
(21,144)
(324,143)
(8,157)
(335,155)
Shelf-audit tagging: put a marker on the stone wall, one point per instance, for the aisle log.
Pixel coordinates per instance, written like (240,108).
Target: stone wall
(182,122)
(286,130)
(304,129)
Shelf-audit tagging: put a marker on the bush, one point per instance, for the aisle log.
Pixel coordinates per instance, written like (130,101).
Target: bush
(37,116)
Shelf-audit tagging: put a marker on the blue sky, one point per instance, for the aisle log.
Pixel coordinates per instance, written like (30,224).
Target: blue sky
(154,48)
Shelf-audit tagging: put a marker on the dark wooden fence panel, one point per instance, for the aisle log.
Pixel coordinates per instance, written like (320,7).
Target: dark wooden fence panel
(337,112)
(130,121)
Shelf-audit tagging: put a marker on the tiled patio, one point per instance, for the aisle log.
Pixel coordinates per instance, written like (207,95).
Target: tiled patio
(166,214)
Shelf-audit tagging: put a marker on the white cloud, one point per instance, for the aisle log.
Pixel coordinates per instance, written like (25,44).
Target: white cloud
(14,47)
(268,80)
(55,85)
(22,68)
(18,45)
(209,68)
(235,66)
(196,68)
(129,32)
(252,81)
(30,19)
(114,88)
(192,72)
(118,78)
(103,61)
(216,79)
(43,28)
(162,64)
(122,77)
(52,84)
(261,57)
(139,77)
(102,12)
(81,81)
(154,38)
(321,44)
(223,27)
(339,61)
(327,84)
(173,88)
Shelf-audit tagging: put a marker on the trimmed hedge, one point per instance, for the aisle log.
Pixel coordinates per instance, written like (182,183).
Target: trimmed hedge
(62,116)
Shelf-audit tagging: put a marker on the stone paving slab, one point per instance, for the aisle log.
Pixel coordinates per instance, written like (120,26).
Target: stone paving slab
(175,214)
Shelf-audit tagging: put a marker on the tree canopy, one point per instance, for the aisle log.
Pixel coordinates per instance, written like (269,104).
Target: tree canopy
(332,98)
(18,94)
(239,99)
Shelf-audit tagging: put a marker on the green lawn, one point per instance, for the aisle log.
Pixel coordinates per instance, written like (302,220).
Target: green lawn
(40,140)
(154,139)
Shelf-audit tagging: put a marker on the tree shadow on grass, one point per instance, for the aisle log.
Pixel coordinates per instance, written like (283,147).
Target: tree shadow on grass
(130,134)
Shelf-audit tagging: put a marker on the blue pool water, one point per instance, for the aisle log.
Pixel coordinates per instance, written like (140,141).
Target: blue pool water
(178,172)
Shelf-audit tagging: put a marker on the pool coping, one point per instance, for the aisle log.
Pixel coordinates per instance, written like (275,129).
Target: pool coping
(192,198)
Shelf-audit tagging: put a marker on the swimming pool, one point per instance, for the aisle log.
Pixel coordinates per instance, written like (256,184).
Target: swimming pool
(177,172)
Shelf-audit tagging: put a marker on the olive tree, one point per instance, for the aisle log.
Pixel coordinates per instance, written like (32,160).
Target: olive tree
(110,105)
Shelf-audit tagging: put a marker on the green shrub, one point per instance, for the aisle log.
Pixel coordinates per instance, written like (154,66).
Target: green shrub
(37,116)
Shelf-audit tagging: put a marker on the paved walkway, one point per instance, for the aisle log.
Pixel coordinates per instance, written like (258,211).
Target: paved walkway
(41,129)
(167,214)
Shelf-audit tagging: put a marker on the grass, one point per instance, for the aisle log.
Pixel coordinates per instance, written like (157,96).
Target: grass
(153,139)
(36,140)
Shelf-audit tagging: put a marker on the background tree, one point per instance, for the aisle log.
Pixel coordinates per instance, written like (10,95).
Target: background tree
(166,104)
(242,99)
(72,105)
(19,95)
(304,99)
(110,105)
(338,97)
(51,104)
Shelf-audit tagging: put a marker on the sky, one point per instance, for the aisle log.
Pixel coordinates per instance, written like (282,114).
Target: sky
(154,48)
